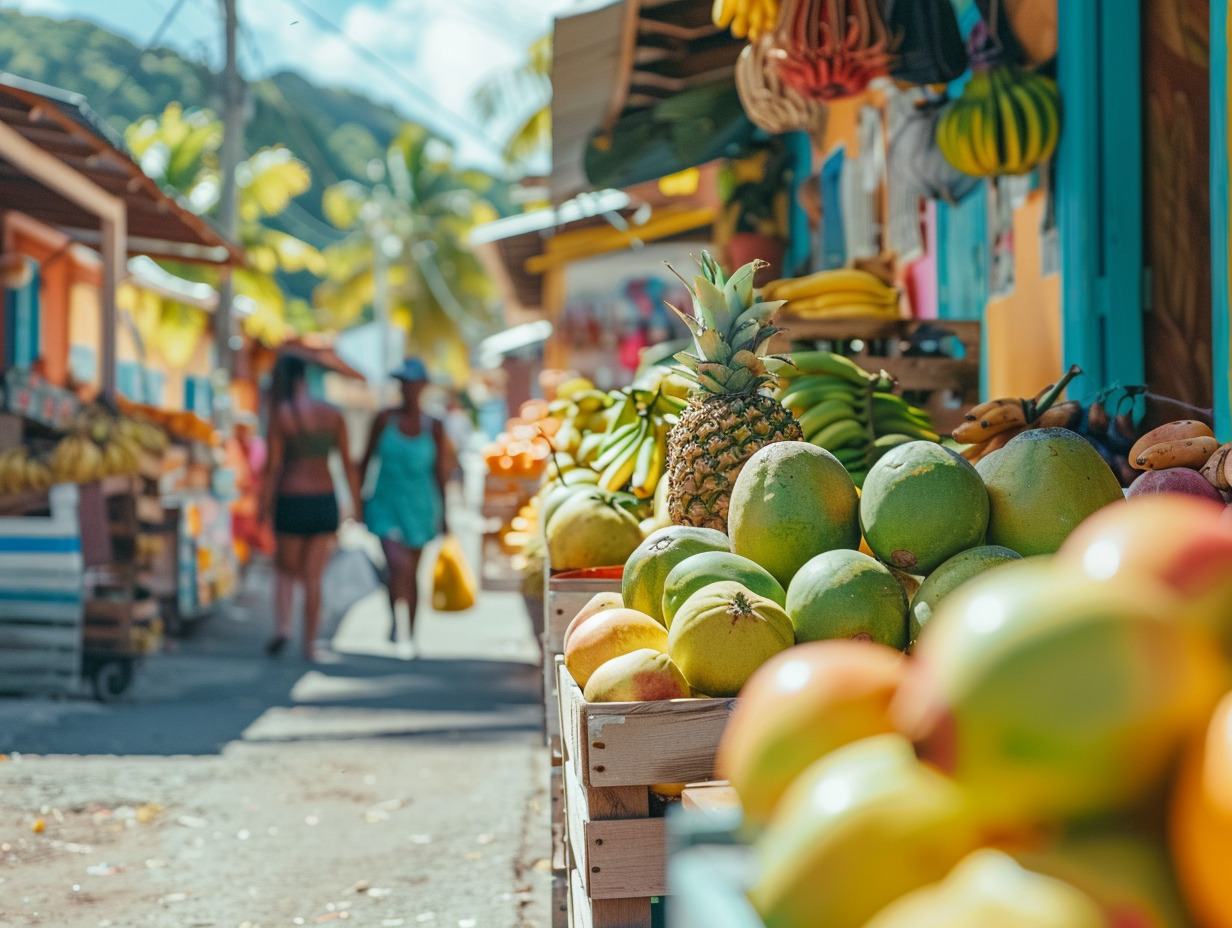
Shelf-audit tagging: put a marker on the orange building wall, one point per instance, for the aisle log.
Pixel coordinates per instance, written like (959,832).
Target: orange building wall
(1023,330)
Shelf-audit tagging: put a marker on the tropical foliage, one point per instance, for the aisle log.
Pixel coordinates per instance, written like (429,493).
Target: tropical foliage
(179,149)
(334,132)
(419,213)
(509,92)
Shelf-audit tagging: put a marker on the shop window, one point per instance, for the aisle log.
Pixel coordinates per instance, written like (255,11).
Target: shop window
(198,395)
(21,324)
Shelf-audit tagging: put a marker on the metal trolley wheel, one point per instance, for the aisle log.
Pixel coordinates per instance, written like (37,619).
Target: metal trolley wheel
(111,678)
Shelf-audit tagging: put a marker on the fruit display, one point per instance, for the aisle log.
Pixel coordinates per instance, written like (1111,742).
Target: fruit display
(845,293)
(1016,766)
(844,409)
(728,418)
(181,424)
(523,448)
(632,453)
(1007,121)
(97,444)
(1112,432)
(832,49)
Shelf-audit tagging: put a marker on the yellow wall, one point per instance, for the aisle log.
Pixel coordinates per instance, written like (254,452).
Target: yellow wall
(1023,330)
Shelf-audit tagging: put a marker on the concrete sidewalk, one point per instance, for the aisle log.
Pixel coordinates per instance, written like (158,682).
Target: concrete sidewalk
(370,786)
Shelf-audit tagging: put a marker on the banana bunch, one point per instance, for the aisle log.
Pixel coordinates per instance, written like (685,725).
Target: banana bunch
(1113,434)
(1218,469)
(991,424)
(846,410)
(845,293)
(1007,121)
(584,413)
(77,459)
(1183,443)
(746,18)
(23,472)
(632,454)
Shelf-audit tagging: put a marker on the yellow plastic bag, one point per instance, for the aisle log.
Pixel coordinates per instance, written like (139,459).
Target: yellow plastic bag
(453,584)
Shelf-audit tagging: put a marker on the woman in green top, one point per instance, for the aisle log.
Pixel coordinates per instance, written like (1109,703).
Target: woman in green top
(407,507)
(297,495)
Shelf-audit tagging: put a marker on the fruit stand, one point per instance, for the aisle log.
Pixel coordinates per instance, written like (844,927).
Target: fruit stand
(811,621)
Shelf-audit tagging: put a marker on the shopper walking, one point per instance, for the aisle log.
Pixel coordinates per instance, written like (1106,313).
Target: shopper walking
(407,507)
(298,495)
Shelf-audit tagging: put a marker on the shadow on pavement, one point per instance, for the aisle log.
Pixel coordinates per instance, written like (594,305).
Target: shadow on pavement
(261,700)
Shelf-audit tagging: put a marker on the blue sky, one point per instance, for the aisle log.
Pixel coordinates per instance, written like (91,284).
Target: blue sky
(443,48)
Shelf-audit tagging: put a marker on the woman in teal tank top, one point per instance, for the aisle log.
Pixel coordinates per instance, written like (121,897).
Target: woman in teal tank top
(407,507)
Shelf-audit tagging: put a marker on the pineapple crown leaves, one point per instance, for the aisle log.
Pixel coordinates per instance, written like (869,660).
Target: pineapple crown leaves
(730,324)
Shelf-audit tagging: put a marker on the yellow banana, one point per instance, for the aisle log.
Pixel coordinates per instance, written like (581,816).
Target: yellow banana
(1169,432)
(1180,452)
(993,422)
(1216,469)
(838,280)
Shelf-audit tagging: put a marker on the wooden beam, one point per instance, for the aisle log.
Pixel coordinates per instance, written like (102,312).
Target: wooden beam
(52,172)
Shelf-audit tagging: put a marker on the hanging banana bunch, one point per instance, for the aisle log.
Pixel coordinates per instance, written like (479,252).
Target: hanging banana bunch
(746,18)
(1007,121)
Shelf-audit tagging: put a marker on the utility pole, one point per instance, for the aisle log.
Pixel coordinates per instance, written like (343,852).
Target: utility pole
(232,151)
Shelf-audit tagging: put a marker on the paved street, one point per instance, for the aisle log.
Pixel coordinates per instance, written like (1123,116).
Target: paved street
(228,789)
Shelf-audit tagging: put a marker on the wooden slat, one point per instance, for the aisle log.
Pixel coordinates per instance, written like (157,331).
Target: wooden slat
(604,913)
(627,858)
(640,743)
(715,796)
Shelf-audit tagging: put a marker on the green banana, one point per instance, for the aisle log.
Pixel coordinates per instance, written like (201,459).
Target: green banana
(827,362)
(832,410)
(837,434)
(813,388)
(908,427)
(851,455)
(644,461)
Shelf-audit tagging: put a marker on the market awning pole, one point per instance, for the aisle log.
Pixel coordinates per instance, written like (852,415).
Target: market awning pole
(113,251)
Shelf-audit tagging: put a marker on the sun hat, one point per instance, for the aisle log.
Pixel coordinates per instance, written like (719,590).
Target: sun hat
(411,370)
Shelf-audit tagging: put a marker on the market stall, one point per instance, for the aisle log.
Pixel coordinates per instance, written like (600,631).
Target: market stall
(98,343)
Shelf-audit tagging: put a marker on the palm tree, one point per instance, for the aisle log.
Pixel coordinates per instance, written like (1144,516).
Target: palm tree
(406,251)
(180,150)
(509,92)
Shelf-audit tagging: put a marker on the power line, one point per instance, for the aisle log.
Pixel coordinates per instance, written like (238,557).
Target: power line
(448,115)
(283,105)
(128,73)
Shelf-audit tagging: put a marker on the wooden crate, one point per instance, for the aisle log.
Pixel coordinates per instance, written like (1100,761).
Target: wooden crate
(946,386)
(565,593)
(611,754)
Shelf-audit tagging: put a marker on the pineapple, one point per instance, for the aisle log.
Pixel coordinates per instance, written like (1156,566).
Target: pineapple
(728,417)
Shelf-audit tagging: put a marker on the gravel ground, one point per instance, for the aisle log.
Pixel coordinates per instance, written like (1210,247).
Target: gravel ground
(229,790)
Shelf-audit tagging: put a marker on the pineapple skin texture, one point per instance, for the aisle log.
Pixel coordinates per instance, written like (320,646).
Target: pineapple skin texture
(708,447)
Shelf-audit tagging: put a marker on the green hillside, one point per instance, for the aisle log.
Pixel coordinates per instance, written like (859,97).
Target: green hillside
(335,132)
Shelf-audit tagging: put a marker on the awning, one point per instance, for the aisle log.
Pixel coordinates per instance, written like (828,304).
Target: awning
(621,58)
(60,124)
